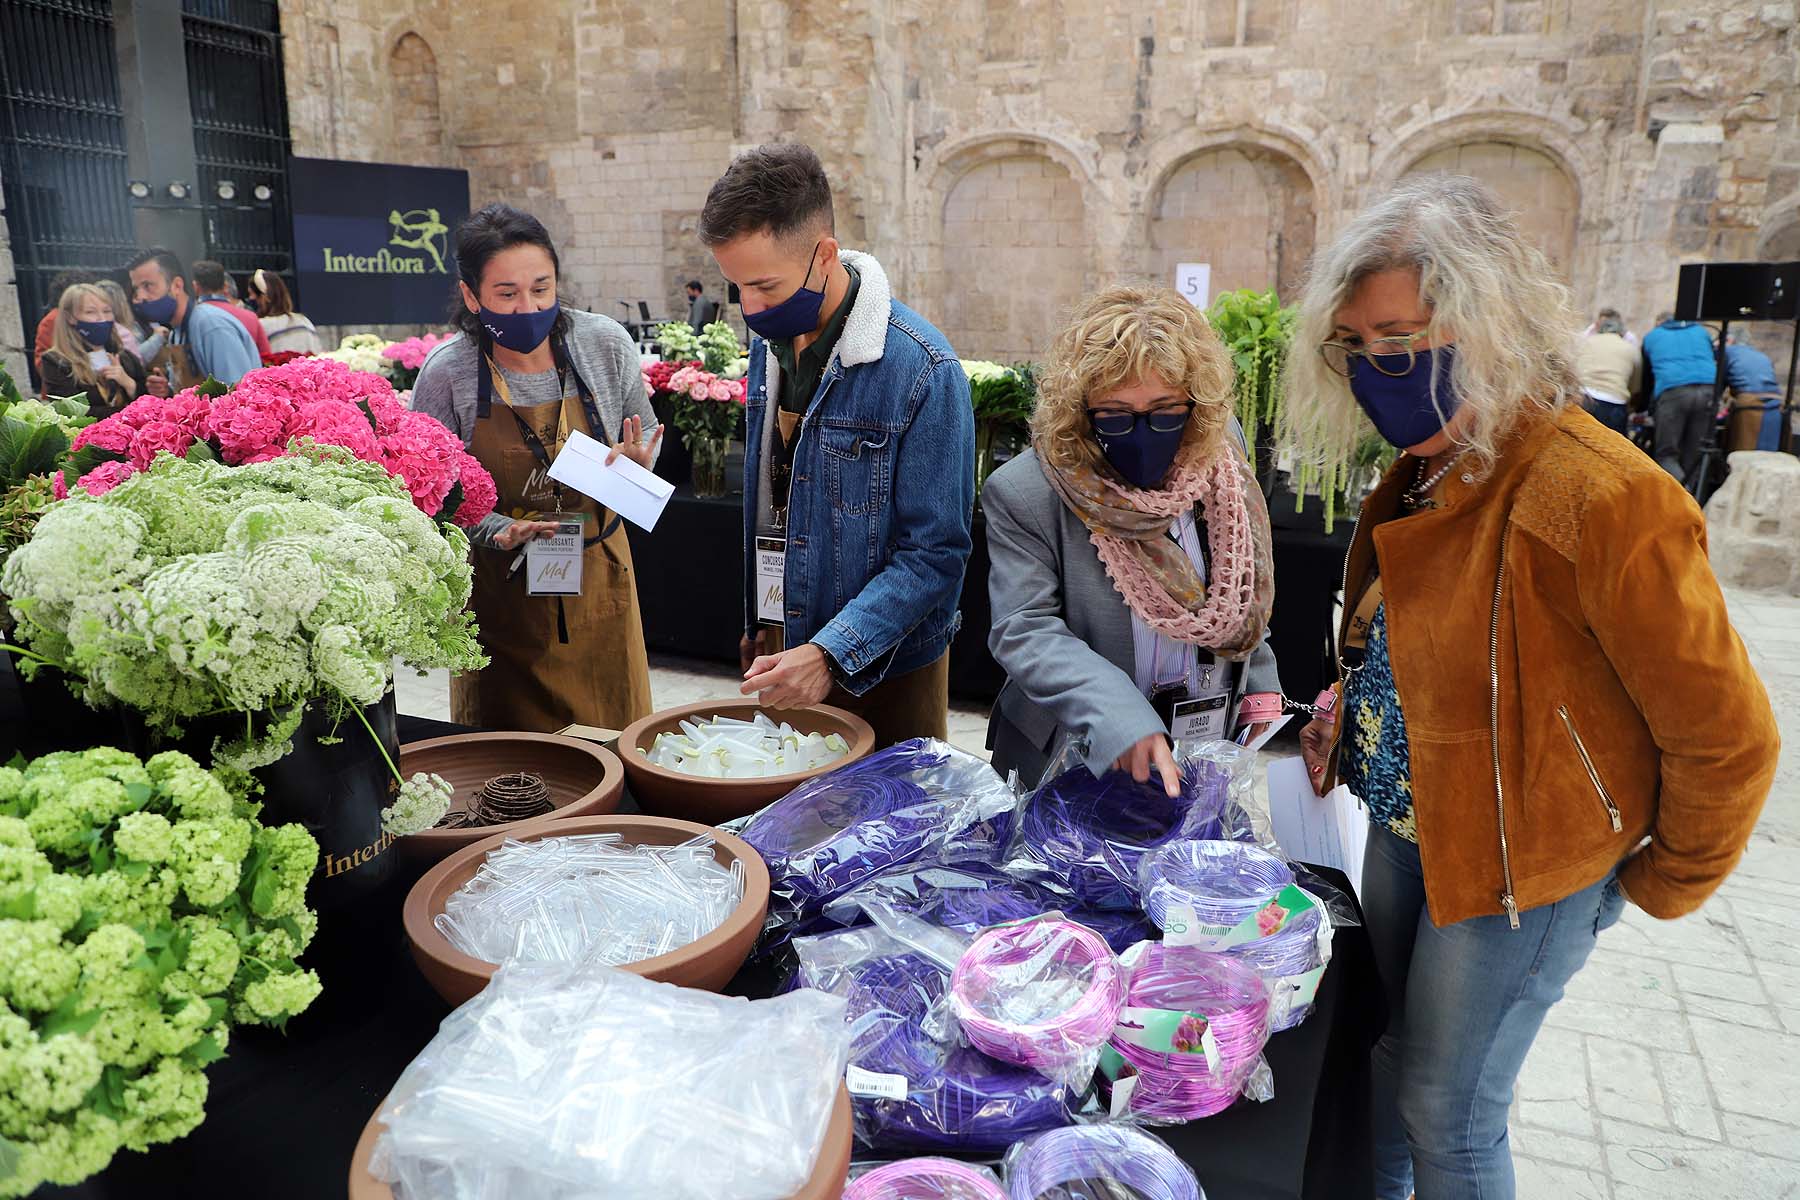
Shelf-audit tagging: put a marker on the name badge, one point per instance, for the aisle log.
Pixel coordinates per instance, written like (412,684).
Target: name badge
(553,564)
(1199,720)
(771,580)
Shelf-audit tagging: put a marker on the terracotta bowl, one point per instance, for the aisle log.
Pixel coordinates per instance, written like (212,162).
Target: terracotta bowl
(707,964)
(672,794)
(829,1175)
(585,780)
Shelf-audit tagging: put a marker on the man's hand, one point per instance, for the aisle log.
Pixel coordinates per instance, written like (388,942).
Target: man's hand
(1146,754)
(157,384)
(632,444)
(520,532)
(792,679)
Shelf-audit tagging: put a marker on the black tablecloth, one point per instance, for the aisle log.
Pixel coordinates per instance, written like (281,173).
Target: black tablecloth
(285,1110)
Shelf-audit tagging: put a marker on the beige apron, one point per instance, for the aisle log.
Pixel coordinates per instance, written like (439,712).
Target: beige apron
(556,660)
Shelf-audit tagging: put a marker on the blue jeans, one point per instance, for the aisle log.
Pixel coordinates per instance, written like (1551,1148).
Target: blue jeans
(1465,1003)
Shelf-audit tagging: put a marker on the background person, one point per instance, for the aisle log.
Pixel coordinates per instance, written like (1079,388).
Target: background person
(203,340)
(1522,592)
(216,288)
(1611,370)
(859,459)
(1681,368)
(122,315)
(288,330)
(701,311)
(86,355)
(61,282)
(1755,422)
(1133,446)
(521,377)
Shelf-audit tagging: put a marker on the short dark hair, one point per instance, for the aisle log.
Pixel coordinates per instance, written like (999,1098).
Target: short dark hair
(163,258)
(485,233)
(62,281)
(209,276)
(695,285)
(780,187)
(1613,313)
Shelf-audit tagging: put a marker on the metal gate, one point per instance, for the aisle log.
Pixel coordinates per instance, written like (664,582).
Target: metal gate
(62,144)
(239,106)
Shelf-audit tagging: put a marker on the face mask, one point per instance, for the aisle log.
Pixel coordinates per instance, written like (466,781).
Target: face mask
(96,333)
(796,315)
(1407,409)
(520,332)
(156,312)
(1143,456)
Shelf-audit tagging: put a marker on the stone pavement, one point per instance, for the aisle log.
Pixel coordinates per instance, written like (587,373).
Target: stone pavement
(1672,1067)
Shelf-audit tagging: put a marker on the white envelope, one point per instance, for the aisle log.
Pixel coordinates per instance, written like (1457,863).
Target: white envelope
(628,489)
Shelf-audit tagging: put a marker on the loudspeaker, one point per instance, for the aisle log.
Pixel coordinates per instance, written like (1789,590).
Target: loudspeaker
(1738,292)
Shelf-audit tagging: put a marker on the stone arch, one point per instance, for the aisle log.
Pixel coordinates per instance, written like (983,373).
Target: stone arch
(1778,239)
(1014,243)
(1422,137)
(1249,210)
(418,118)
(1543,196)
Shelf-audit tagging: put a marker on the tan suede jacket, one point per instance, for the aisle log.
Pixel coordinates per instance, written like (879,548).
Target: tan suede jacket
(1573,689)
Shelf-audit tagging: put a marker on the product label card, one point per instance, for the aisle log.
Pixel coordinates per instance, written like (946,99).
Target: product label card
(1167,1031)
(875,1083)
(1186,929)
(553,564)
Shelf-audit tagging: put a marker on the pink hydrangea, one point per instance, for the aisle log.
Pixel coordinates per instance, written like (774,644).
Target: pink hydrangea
(58,487)
(337,423)
(411,352)
(388,407)
(105,477)
(111,434)
(145,410)
(192,412)
(425,456)
(479,493)
(247,421)
(155,438)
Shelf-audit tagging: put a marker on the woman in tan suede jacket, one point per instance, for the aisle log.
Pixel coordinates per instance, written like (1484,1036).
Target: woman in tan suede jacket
(1544,706)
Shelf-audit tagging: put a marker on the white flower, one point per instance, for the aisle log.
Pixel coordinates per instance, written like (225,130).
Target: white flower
(421,804)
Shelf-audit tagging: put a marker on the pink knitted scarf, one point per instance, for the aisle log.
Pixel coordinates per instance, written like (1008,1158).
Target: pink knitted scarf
(1129,528)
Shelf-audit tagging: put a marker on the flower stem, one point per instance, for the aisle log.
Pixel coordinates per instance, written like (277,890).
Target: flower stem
(48,662)
(355,708)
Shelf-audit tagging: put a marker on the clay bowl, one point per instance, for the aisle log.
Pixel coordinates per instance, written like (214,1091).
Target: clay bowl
(707,964)
(672,794)
(585,780)
(829,1175)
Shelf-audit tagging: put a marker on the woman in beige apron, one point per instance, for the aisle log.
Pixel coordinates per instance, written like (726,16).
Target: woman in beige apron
(524,377)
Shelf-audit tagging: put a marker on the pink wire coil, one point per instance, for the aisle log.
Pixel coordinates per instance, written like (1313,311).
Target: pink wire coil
(1233,997)
(1084,1026)
(924,1179)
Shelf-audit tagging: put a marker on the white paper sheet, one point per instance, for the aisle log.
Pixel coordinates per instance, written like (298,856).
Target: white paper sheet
(1331,830)
(1266,736)
(626,488)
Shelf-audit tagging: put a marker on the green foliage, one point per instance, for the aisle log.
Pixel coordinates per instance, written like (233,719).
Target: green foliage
(678,340)
(9,391)
(1256,329)
(144,910)
(719,349)
(1003,399)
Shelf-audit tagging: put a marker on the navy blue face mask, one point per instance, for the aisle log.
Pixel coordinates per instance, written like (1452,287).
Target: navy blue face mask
(1142,454)
(159,311)
(520,332)
(796,315)
(97,334)
(1407,409)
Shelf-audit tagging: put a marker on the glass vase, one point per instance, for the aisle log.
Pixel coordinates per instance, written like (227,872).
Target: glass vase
(708,452)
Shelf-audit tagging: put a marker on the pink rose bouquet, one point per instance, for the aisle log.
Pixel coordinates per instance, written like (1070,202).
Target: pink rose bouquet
(271,409)
(705,409)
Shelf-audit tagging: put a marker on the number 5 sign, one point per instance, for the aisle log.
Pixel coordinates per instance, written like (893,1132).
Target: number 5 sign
(1194,280)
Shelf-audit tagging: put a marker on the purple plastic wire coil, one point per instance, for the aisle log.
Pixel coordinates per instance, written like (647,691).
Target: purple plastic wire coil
(1223,882)
(1234,998)
(924,1179)
(1090,834)
(1090,1154)
(973,896)
(961,1101)
(1048,1044)
(1291,951)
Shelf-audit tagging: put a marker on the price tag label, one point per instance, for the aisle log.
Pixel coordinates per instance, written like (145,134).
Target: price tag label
(771,580)
(875,1083)
(553,564)
(1194,281)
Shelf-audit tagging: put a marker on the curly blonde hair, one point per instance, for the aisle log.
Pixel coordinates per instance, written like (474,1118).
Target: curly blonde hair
(1123,334)
(1484,285)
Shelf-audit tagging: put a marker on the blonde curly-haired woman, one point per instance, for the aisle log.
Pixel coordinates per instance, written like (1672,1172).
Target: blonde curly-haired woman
(1131,579)
(1544,706)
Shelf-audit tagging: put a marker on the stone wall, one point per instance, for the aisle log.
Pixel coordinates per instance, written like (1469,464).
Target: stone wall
(1630,136)
(13,350)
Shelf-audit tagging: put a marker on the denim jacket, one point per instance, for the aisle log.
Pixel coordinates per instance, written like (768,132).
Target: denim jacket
(883,488)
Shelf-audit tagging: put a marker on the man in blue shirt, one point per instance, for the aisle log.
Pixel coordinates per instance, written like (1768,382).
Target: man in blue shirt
(1755,398)
(1680,367)
(204,340)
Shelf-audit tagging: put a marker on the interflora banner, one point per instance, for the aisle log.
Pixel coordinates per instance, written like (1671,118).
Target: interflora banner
(372,240)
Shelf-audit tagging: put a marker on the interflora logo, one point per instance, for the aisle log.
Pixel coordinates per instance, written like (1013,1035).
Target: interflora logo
(419,230)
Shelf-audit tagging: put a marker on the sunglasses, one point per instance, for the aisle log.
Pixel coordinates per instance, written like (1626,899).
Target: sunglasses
(1114,422)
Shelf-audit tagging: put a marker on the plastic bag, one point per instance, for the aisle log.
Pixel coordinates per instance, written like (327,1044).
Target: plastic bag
(1099,1162)
(925,1179)
(1043,993)
(1191,1037)
(911,1090)
(561,1081)
(973,896)
(919,801)
(1087,835)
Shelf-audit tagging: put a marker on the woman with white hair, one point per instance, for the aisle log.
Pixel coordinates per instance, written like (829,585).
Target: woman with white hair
(1542,703)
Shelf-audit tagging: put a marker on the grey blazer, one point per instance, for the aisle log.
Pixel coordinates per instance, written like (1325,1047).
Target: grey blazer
(1062,633)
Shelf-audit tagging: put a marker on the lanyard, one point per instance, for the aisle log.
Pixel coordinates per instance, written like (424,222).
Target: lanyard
(1356,638)
(488,375)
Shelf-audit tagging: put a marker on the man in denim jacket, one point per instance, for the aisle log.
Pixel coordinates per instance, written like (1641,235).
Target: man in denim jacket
(859,468)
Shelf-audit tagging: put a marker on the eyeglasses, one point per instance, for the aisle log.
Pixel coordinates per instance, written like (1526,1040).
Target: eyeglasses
(1113,422)
(1390,355)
